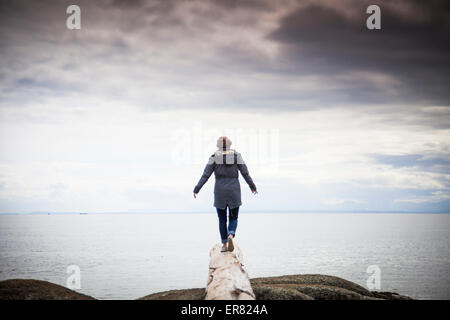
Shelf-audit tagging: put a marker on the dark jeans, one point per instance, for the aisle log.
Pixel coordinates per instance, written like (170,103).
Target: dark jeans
(232,225)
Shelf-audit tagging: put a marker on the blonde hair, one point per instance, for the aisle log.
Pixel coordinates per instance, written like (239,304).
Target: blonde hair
(223,143)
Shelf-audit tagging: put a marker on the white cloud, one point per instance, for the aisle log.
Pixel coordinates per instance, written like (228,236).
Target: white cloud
(111,157)
(337,201)
(436,196)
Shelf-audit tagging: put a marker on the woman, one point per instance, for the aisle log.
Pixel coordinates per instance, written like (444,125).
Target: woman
(225,163)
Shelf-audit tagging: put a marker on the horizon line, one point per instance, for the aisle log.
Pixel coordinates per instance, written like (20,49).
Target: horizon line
(209,211)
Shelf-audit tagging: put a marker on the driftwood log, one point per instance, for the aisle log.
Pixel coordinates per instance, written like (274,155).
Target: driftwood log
(227,279)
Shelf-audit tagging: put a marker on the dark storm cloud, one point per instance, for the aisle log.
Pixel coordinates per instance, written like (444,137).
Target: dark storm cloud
(175,40)
(128,3)
(407,62)
(412,47)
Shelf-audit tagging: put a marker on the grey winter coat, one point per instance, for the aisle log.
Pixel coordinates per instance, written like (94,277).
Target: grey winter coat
(227,190)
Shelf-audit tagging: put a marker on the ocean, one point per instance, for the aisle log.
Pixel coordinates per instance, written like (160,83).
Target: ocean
(127,256)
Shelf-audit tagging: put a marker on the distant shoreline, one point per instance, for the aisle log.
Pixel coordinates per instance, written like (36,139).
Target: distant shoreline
(208,212)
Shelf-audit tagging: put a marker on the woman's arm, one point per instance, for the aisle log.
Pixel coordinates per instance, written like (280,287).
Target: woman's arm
(209,169)
(244,172)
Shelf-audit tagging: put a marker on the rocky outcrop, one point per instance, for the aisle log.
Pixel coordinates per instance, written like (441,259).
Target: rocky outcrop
(28,289)
(291,287)
(294,287)
(310,286)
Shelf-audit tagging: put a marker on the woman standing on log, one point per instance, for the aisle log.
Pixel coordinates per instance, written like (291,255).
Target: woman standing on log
(225,163)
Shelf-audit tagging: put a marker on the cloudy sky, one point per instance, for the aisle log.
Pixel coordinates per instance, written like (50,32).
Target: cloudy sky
(123,114)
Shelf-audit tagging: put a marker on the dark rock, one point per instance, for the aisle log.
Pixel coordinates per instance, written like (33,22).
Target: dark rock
(266,292)
(318,287)
(293,287)
(185,294)
(321,292)
(313,280)
(390,296)
(28,289)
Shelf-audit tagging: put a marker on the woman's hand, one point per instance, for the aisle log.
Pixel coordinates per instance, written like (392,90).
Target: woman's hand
(255,191)
(195,195)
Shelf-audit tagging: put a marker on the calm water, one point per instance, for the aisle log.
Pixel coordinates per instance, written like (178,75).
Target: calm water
(127,256)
